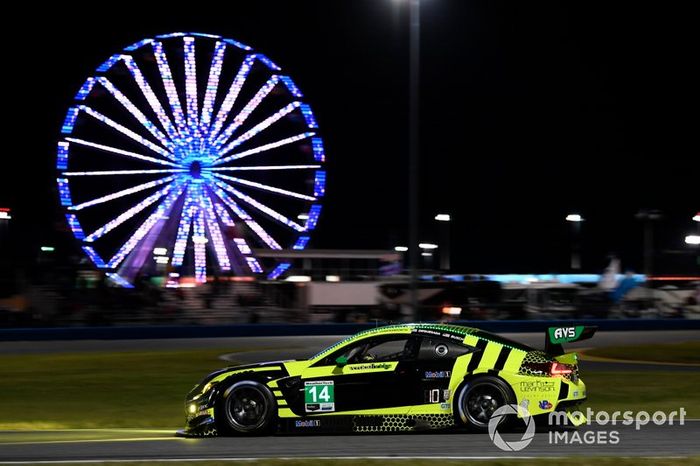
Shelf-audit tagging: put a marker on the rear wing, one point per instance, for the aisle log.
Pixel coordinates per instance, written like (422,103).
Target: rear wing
(565,334)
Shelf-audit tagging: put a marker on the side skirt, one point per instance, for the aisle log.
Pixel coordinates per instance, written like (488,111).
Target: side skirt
(367,424)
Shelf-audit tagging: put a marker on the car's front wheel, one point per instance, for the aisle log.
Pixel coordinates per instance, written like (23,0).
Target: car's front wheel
(246,407)
(479,398)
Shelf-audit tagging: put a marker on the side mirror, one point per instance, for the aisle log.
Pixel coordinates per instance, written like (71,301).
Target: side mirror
(341,361)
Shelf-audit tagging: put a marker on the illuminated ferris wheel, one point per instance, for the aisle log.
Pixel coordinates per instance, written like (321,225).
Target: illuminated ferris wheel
(195,147)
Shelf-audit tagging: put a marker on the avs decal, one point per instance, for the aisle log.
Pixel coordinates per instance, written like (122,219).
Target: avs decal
(538,386)
(319,397)
(437,374)
(564,334)
(544,404)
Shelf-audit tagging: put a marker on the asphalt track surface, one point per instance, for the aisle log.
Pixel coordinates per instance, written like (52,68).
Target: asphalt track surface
(61,446)
(649,441)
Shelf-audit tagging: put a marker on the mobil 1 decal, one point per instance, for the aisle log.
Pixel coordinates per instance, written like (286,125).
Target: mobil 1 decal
(319,396)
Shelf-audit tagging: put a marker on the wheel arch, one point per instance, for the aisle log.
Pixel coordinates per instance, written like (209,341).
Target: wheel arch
(459,391)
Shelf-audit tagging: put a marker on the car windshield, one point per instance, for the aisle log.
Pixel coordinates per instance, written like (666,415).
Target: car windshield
(332,347)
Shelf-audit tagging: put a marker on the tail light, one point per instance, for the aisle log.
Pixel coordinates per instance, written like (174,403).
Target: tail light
(560,369)
(552,369)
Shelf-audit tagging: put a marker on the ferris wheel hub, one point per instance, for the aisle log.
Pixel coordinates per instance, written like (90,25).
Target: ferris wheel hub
(196,169)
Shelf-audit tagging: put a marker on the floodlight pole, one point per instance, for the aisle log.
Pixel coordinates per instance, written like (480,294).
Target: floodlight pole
(413,152)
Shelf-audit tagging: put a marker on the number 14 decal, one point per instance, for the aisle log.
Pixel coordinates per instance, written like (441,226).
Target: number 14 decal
(319,396)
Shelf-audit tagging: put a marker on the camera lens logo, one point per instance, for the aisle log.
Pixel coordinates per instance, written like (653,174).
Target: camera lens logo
(495,420)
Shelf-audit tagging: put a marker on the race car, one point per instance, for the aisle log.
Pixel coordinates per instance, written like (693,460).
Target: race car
(393,378)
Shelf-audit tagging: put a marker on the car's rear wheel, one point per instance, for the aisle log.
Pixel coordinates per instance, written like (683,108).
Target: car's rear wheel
(479,398)
(246,407)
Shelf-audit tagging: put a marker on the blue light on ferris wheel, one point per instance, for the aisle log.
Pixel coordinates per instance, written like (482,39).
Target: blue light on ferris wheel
(279,270)
(85,89)
(301,243)
(62,158)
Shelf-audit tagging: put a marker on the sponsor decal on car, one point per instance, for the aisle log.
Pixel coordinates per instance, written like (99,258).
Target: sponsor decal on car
(364,367)
(438,374)
(559,335)
(319,396)
(308,423)
(539,385)
(544,404)
(436,395)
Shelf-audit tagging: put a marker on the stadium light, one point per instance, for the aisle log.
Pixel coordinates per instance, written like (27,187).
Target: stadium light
(298,278)
(692,239)
(452,310)
(47,249)
(401,248)
(5,213)
(443,217)
(574,218)
(427,246)
(697,217)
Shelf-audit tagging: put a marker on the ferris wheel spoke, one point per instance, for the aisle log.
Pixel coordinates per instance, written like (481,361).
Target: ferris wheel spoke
(100,232)
(247,219)
(231,96)
(115,150)
(247,110)
(261,207)
(125,172)
(127,132)
(191,88)
(266,123)
(242,247)
(170,89)
(138,114)
(200,243)
(183,229)
(161,211)
(215,232)
(150,96)
(125,192)
(264,148)
(265,167)
(265,187)
(212,86)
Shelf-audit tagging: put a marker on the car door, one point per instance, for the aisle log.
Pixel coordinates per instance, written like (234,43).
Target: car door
(426,377)
(368,380)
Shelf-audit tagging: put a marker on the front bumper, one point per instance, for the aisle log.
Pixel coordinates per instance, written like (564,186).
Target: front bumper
(199,415)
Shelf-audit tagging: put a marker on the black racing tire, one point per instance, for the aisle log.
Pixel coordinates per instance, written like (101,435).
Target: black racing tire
(478,398)
(246,407)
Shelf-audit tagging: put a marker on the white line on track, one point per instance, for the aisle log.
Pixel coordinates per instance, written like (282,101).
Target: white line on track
(312,458)
(93,440)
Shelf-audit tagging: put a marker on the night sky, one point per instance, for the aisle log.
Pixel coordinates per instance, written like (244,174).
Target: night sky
(529,111)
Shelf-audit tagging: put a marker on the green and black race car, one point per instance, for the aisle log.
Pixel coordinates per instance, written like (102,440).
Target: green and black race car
(393,378)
